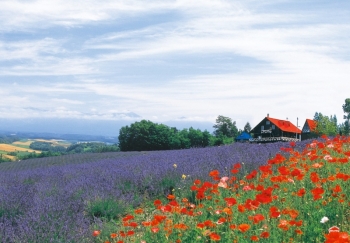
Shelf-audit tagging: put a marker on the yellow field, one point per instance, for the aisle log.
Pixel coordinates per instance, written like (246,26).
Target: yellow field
(13,158)
(12,148)
(27,143)
(54,142)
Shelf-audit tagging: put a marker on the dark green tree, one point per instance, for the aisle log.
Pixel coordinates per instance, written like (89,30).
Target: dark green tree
(326,125)
(144,135)
(224,126)
(346,109)
(247,128)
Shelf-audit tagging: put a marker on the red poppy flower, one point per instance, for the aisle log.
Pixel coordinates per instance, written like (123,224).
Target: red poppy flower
(200,225)
(337,237)
(301,192)
(214,173)
(230,201)
(244,227)
(252,175)
(337,189)
(215,237)
(128,217)
(317,193)
(257,218)
(157,202)
(254,238)
(265,235)
(138,211)
(96,233)
(197,182)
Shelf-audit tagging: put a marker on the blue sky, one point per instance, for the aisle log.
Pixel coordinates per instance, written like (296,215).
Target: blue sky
(174,60)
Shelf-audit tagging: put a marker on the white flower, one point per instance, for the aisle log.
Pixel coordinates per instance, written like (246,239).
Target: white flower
(324,220)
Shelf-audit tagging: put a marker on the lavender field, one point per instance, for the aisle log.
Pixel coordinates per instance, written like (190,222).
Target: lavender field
(51,199)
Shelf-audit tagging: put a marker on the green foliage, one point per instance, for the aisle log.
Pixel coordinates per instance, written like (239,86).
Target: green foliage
(146,136)
(225,126)
(247,128)
(326,125)
(46,146)
(346,125)
(8,139)
(107,209)
(92,147)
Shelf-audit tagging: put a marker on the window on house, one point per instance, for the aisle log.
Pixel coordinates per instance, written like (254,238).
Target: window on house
(262,128)
(267,122)
(273,127)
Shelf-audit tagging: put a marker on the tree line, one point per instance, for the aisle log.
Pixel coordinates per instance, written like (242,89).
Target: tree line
(146,135)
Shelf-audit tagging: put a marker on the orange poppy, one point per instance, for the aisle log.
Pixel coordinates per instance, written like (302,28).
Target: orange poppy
(215,237)
(244,227)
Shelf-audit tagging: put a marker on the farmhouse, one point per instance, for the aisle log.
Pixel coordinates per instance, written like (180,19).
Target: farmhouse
(309,129)
(273,130)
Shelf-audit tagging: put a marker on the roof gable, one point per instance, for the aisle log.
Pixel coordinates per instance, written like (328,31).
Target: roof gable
(312,124)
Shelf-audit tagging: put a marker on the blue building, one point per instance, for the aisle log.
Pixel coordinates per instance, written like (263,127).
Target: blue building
(243,137)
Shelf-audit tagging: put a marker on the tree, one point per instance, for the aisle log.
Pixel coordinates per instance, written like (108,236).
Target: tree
(326,125)
(247,128)
(226,127)
(346,109)
(144,135)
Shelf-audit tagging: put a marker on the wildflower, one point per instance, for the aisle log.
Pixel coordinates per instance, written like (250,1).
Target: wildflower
(257,218)
(317,193)
(128,217)
(113,235)
(175,166)
(138,211)
(215,237)
(333,229)
(96,233)
(254,238)
(244,227)
(247,188)
(214,173)
(337,237)
(221,220)
(155,229)
(283,224)
(183,176)
(230,201)
(265,234)
(301,192)
(223,182)
(324,220)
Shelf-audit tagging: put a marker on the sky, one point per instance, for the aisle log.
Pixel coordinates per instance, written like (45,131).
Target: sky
(173,60)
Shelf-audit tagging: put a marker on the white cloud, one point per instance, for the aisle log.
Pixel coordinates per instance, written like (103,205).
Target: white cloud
(295,59)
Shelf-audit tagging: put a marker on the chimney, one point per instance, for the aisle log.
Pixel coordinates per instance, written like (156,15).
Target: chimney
(267,114)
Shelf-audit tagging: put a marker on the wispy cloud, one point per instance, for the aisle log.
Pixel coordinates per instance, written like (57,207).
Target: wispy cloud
(173,58)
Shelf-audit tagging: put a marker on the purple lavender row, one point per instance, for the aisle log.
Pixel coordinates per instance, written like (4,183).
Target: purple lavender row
(46,200)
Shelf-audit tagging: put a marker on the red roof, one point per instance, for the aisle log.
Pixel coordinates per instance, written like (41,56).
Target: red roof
(285,126)
(312,124)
